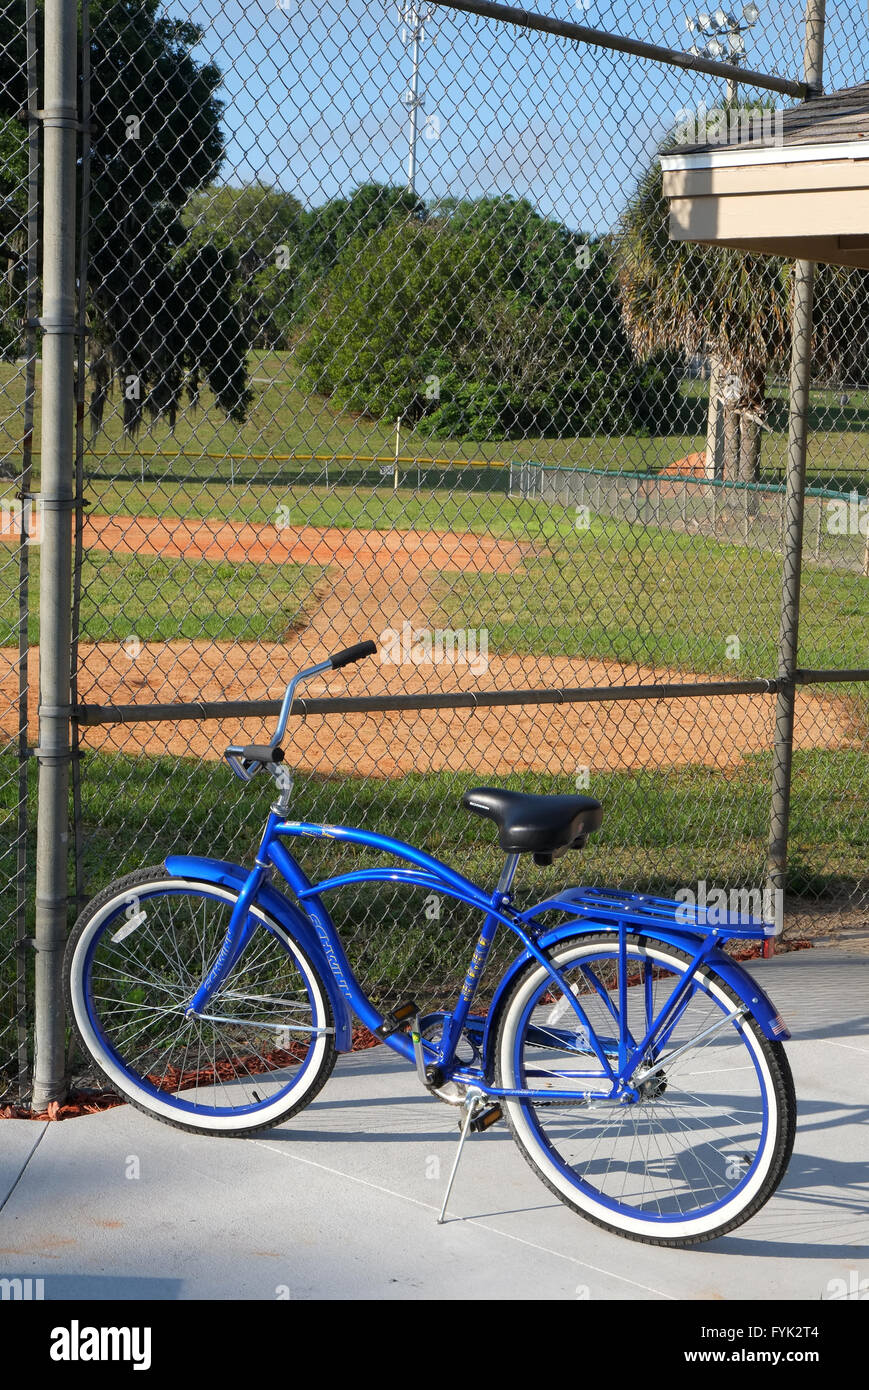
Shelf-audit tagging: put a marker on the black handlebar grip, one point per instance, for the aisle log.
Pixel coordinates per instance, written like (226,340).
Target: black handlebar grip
(261,753)
(352,654)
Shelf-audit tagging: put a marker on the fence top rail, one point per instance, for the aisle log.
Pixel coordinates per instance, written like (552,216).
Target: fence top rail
(574,470)
(638,48)
(617,475)
(373,704)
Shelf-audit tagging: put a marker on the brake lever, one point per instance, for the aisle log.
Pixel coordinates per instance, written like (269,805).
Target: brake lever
(243,770)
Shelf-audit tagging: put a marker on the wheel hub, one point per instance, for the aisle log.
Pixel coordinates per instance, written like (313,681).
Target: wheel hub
(653,1086)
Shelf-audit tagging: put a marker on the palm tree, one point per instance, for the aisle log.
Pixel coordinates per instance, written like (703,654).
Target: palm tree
(733,307)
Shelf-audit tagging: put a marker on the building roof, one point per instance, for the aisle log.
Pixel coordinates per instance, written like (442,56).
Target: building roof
(839,118)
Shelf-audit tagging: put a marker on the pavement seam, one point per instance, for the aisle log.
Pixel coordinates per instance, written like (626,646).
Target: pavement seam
(466,1220)
(24,1165)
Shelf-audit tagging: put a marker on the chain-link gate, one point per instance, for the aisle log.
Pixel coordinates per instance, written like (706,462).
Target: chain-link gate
(369,350)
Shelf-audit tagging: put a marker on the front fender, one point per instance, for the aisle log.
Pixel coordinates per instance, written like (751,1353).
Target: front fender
(286,913)
(732,973)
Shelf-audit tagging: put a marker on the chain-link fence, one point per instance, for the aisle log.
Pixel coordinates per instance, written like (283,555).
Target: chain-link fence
(747,514)
(370,351)
(19,519)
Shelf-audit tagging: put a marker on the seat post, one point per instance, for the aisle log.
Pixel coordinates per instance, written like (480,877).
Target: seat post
(507,873)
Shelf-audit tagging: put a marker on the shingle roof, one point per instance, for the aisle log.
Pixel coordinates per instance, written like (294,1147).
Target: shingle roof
(825,120)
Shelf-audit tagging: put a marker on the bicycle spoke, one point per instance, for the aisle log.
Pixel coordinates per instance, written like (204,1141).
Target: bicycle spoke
(258,1027)
(682,1144)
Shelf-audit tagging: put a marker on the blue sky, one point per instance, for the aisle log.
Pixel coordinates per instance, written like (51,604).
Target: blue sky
(313,97)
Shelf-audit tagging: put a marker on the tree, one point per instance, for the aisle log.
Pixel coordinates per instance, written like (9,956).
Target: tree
(13,232)
(484,318)
(283,251)
(732,306)
(157,138)
(264,228)
(13,176)
(369,209)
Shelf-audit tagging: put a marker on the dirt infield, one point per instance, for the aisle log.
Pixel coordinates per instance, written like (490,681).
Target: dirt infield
(378,580)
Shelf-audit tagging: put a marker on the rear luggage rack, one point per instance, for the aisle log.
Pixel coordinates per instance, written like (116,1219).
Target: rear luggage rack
(612,908)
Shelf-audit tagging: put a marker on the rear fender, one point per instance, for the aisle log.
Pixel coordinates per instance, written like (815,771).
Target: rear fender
(285,913)
(732,973)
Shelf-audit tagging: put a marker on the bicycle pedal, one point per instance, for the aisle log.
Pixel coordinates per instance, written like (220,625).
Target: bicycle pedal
(487,1118)
(397,1018)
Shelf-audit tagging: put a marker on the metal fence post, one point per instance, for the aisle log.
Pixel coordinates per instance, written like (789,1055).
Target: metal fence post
(800,381)
(59,329)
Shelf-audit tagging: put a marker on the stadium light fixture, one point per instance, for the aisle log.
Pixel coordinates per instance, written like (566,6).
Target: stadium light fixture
(726,36)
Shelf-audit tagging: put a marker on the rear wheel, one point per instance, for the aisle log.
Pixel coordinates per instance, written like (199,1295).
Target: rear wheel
(707,1140)
(263,1047)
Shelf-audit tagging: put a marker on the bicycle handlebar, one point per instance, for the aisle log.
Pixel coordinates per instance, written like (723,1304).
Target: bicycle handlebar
(351,654)
(247,759)
(261,753)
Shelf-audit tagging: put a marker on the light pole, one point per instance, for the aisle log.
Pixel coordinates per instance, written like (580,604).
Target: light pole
(723,37)
(413,22)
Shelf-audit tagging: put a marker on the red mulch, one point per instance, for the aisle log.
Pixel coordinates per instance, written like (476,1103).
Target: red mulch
(781,949)
(92,1102)
(77,1103)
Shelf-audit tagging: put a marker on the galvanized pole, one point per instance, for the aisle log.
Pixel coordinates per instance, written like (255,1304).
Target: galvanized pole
(24,554)
(414,104)
(60,122)
(414,21)
(800,382)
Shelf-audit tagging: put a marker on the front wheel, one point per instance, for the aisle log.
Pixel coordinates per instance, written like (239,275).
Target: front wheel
(705,1139)
(263,1047)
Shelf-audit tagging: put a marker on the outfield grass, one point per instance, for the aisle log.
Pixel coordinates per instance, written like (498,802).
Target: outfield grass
(161,600)
(662,598)
(286,419)
(367,508)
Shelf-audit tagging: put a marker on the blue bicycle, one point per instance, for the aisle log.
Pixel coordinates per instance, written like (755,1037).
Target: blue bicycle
(639,1067)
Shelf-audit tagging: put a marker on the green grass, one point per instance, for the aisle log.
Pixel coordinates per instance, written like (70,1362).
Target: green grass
(379,509)
(661,598)
(659,825)
(286,419)
(161,600)
(662,830)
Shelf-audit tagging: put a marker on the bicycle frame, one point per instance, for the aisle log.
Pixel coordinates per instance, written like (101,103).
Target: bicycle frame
(606,912)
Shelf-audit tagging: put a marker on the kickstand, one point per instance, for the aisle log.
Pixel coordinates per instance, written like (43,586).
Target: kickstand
(472,1100)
